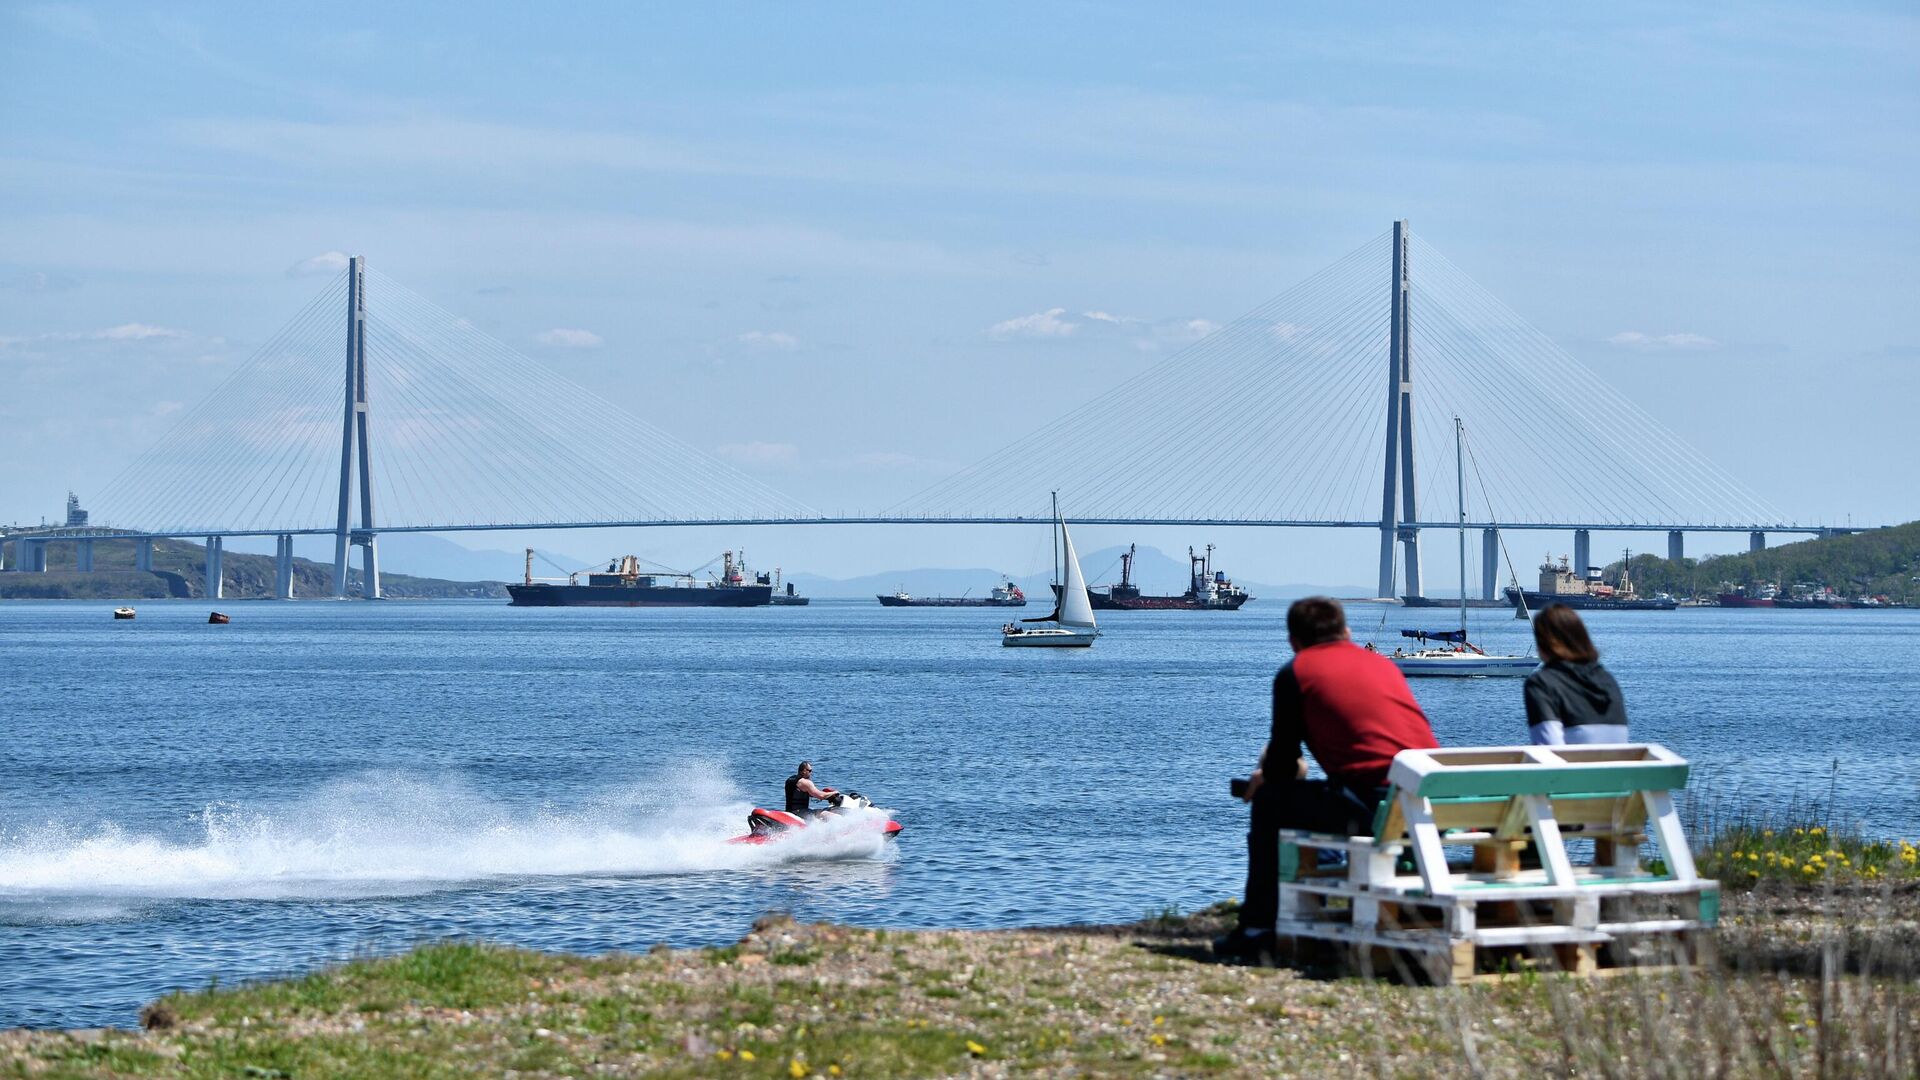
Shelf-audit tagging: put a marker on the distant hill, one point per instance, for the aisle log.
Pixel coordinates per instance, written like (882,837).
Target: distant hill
(179,570)
(1872,563)
(1153,570)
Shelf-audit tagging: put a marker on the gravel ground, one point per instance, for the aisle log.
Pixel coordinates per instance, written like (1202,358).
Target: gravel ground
(1790,998)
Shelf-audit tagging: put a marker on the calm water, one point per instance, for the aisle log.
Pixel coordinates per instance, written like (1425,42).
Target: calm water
(180,802)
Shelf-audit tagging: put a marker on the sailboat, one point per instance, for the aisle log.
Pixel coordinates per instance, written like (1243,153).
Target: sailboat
(1453,654)
(1072,618)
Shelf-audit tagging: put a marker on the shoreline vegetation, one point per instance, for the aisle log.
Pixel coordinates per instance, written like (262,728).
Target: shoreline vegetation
(1873,562)
(1818,975)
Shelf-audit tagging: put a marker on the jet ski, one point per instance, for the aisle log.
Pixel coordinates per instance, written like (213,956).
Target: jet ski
(765,826)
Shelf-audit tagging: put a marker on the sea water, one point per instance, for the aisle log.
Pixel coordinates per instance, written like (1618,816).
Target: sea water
(183,803)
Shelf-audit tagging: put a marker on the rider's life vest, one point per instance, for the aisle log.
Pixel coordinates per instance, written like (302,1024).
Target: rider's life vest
(797,800)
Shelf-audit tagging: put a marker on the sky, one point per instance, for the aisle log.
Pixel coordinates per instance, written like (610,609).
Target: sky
(853,249)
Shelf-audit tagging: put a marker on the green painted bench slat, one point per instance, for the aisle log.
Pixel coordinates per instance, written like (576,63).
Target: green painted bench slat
(1496,781)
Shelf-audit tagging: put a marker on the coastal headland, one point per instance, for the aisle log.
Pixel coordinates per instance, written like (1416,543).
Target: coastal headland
(1816,978)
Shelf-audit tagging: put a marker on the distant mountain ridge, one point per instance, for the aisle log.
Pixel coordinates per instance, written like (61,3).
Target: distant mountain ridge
(1154,571)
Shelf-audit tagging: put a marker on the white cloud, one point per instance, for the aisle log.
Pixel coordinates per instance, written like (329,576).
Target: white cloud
(324,264)
(133,332)
(1199,328)
(770,339)
(1287,331)
(1040,324)
(1634,339)
(1108,317)
(562,338)
(760,453)
(123,332)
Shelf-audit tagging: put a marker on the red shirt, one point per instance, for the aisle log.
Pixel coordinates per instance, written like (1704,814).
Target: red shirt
(1352,708)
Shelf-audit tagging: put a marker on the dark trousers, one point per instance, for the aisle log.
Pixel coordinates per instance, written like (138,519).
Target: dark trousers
(1322,806)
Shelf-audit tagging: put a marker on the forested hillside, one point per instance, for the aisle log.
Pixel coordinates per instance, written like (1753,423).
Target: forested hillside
(1872,563)
(179,570)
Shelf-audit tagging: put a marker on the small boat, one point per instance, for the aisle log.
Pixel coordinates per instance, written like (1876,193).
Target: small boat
(219,618)
(123,613)
(1451,654)
(1072,616)
(1456,656)
(786,596)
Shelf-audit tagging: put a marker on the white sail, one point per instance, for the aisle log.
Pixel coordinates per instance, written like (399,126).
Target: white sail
(1075,608)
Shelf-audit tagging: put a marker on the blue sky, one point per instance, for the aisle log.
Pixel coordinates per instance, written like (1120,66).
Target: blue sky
(823,243)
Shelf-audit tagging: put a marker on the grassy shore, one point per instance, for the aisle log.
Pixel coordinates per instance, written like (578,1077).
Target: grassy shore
(1816,978)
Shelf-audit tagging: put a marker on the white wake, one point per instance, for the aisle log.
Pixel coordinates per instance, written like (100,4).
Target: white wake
(384,834)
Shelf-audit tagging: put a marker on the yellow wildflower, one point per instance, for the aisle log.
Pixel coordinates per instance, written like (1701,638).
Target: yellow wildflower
(1817,830)
(724,1055)
(833,1070)
(1159,1039)
(797,1069)
(1159,1020)
(746,1055)
(1768,833)
(976,1049)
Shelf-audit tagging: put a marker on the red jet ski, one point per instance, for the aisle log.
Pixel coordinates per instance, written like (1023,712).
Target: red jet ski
(765,826)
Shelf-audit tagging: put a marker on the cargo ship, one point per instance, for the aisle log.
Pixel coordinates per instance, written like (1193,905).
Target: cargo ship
(1587,590)
(1008,595)
(1749,596)
(1207,589)
(625,584)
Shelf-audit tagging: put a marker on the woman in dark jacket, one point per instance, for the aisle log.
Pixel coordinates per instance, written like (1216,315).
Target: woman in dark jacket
(1571,698)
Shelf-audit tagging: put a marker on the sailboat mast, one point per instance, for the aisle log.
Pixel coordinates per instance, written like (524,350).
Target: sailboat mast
(1460,480)
(1057,575)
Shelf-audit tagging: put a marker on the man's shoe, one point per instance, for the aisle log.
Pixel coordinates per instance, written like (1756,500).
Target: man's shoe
(1244,944)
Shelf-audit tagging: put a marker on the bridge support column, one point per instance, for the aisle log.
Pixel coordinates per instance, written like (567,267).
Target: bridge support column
(33,556)
(216,578)
(353,433)
(1756,541)
(1397,502)
(369,568)
(1489,562)
(143,554)
(283,567)
(83,556)
(1582,551)
(3,554)
(1676,545)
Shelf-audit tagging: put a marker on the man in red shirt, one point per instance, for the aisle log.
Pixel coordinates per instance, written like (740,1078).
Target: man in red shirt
(1353,709)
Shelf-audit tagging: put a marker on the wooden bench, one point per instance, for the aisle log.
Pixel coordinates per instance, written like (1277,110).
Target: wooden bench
(1521,898)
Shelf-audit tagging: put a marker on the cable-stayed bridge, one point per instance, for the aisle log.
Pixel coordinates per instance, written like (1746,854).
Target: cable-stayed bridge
(375,411)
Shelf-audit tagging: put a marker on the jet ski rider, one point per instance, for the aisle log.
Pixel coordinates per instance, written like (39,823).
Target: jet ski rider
(801,791)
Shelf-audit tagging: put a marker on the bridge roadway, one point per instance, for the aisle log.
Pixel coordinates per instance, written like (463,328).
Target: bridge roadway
(58,533)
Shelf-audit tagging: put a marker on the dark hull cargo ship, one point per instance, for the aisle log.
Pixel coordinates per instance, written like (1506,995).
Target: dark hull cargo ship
(623,584)
(1008,595)
(1207,589)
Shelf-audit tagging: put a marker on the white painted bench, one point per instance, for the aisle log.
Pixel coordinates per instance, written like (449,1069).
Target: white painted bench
(1522,897)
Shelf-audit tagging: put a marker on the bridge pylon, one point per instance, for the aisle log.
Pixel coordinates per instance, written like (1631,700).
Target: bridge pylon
(1397,502)
(353,436)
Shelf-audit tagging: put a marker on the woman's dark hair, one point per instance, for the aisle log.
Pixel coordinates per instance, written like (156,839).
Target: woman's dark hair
(1316,621)
(1560,635)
